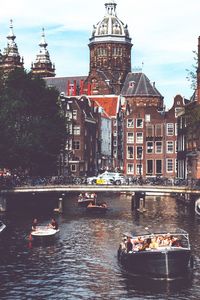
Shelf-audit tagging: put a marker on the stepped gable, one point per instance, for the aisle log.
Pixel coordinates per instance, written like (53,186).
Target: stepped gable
(138,84)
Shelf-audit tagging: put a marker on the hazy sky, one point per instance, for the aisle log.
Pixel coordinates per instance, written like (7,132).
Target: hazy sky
(164,34)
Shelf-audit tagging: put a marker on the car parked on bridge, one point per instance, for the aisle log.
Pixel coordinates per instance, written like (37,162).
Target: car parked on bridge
(107,178)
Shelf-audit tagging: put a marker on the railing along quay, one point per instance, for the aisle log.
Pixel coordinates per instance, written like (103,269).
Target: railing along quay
(102,188)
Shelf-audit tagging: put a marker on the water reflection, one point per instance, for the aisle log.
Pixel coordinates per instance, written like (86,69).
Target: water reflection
(82,262)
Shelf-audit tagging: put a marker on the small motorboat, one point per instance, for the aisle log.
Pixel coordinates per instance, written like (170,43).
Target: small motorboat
(158,254)
(197,207)
(97,208)
(44,233)
(2,227)
(86,198)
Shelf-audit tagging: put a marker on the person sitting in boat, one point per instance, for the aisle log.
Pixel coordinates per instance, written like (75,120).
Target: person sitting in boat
(34,224)
(129,245)
(154,243)
(90,204)
(53,224)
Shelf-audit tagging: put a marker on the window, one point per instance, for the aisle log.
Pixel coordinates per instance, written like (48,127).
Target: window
(170,147)
(74,114)
(77,130)
(177,110)
(139,137)
(158,166)
(139,169)
(139,152)
(130,152)
(68,115)
(73,168)
(169,165)
(159,130)
(130,168)
(147,118)
(149,166)
(170,129)
(158,147)
(130,137)
(149,147)
(76,145)
(139,123)
(149,130)
(130,123)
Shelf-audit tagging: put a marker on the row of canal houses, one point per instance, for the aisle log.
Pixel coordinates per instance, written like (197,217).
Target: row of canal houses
(116,118)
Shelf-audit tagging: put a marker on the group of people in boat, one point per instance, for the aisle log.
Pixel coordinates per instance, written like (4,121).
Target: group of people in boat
(88,196)
(152,242)
(53,224)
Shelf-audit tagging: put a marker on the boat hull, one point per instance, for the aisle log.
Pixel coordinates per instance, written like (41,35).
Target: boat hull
(44,234)
(197,207)
(97,209)
(167,264)
(85,202)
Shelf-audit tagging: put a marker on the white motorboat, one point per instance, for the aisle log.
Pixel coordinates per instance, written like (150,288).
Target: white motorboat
(197,206)
(44,232)
(2,226)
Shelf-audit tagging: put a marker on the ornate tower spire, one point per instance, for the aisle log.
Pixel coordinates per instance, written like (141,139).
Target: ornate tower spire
(10,57)
(43,66)
(110,53)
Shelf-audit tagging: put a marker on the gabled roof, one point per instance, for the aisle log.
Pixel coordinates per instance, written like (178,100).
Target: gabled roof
(137,84)
(109,103)
(61,83)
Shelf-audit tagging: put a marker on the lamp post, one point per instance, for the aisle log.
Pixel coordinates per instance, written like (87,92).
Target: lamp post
(140,163)
(66,105)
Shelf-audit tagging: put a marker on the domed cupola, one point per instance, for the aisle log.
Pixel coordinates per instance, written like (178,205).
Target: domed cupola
(110,53)
(111,27)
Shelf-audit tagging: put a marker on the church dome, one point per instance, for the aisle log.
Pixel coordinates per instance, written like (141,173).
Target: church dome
(110,28)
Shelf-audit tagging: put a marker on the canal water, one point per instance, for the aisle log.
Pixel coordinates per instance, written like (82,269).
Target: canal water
(82,262)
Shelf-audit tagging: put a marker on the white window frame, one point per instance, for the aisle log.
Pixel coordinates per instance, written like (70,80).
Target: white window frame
(130,168)
(139,125)
(160,147)
(170,147)
(139,137)
(130,137)
(130,123)
(169,165)
(170,129)
(127,152)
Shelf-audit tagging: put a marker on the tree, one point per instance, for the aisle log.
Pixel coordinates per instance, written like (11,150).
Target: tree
(192,74)
(32,127)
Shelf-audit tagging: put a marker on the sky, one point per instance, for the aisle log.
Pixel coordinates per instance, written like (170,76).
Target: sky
(164,35)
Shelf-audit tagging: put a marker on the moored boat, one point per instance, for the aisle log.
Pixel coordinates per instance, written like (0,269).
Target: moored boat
(2,227)
(197,206)
(86,198)
(160,254)
(100,208)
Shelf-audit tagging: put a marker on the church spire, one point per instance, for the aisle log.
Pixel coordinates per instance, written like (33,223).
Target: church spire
(10,57)
(43,66)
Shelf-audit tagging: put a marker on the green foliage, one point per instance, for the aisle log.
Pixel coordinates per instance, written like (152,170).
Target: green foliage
(31,126)
(192,74)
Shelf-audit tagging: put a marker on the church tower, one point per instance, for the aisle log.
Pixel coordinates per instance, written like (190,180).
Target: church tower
(10,59)
(43,66)
(110,53)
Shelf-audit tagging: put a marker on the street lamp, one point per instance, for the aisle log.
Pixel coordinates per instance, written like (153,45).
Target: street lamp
(66,105)
(140,162)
